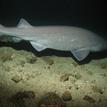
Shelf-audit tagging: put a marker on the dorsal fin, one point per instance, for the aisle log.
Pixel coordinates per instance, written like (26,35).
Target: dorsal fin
(23,24)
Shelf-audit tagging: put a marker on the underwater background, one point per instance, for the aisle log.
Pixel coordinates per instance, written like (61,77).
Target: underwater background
(52,78)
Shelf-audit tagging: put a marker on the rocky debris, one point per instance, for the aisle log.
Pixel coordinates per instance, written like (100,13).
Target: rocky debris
(97,89)
(89,99)
(32,60)
(75,64)
(64,78)
(24,99)
(6,56)
(51,100)
(16,78)
(66,96)
(103,65)
(48,60)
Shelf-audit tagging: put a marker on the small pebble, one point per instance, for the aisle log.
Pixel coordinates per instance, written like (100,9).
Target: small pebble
(48,60)
(24,99)
(29,94)
(51,100)
(89,99)
(97,89)
(66,96)
(25,94)
(103,66)
(32,60)
(16,78)
(64,78)
(70,87)
(75,64)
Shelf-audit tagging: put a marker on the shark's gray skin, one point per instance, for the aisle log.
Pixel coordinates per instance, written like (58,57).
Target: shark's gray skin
(66,38)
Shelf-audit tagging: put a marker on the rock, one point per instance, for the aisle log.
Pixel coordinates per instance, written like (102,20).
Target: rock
(32,60)
(16,78)
(64,78)
(51,100)
(66,96)
(89,99)
(28,94)
(48,60)
(24,99)
(97,89)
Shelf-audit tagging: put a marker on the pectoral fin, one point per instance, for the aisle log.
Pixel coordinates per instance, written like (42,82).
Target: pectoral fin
(80,54)
(39,47)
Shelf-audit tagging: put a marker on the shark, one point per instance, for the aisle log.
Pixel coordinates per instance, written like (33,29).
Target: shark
(79,41)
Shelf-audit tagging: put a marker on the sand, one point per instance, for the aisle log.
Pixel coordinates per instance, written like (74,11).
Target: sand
(79,85)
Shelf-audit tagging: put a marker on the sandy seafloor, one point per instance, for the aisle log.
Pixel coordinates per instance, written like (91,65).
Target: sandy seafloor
(78,85)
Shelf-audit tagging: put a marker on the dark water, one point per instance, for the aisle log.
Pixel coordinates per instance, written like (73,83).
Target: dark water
(90,14)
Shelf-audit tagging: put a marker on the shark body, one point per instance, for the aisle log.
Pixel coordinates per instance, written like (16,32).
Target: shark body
(65,38)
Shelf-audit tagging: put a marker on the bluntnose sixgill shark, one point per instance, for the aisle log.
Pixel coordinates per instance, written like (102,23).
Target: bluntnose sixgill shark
(66,38)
